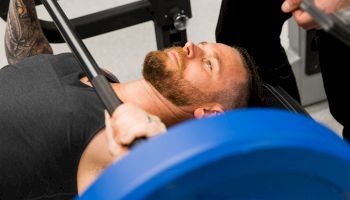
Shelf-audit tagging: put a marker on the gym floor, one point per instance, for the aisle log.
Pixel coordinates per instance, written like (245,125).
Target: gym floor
(123,51)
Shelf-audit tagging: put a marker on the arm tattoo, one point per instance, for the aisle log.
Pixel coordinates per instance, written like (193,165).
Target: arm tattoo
(24,36)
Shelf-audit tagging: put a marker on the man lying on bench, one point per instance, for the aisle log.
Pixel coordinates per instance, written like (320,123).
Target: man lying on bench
(53,142)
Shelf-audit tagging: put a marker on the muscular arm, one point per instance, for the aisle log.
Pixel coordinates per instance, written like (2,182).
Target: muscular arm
(94,160)
(24,36)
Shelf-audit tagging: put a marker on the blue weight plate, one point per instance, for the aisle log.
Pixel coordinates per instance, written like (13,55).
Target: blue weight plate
(243,154)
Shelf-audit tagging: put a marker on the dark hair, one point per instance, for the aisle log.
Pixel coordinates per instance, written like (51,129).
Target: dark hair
(255,85)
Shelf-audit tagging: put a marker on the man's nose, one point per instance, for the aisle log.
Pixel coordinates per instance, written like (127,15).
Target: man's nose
(191,50)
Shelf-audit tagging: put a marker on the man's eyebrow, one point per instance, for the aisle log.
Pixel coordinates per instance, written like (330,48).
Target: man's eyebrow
(203,43)
(216,56)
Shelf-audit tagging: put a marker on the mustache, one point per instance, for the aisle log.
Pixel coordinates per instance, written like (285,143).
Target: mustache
(181,56)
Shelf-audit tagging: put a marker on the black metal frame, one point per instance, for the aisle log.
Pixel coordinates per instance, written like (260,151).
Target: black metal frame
(103,21)
(159,11)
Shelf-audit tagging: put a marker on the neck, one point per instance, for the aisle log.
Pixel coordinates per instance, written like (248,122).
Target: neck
(145,96)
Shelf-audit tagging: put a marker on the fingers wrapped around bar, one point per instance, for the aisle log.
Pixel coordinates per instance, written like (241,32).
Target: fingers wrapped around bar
(127,124)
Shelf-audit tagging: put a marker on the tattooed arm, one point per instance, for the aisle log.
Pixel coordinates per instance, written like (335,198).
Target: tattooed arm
(24,36)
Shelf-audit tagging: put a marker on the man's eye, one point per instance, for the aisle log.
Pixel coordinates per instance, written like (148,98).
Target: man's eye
(209,65)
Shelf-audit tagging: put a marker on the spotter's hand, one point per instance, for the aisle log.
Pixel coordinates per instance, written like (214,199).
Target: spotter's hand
(304,19)
(128,123)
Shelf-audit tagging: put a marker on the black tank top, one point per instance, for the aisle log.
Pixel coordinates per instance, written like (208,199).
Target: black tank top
(47,118)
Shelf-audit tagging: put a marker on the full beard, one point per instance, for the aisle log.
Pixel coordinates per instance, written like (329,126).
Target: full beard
(170,83)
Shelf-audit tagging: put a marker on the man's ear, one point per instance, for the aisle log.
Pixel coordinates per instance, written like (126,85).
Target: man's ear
(207,111)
